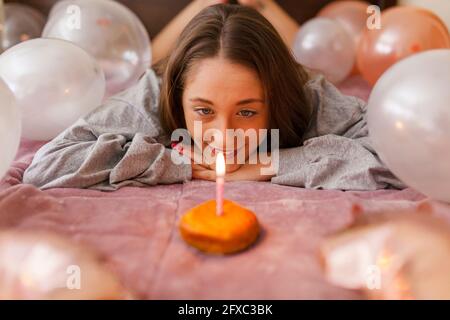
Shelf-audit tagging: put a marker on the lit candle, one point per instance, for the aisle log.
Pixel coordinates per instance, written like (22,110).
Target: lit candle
(220,181)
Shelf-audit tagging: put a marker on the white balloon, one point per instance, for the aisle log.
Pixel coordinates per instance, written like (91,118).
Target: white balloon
(110,32)
(409,121)
(9,127)
(440,7)
(54,81)
(324,45)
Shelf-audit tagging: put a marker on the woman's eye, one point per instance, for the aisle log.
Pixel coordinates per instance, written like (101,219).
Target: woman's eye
(204,111)
(246,113)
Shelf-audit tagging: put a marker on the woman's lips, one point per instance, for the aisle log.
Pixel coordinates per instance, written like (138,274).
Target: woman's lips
(228,154)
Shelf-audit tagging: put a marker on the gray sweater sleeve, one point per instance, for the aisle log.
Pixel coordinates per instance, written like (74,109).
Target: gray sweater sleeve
(118,144)
(337,152)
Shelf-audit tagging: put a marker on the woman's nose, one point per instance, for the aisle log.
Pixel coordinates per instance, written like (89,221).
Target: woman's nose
(220,134)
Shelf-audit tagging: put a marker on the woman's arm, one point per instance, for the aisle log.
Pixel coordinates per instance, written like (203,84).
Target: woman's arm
(162,44)
(337,163)
(118,144)
(337,153)
(286,26)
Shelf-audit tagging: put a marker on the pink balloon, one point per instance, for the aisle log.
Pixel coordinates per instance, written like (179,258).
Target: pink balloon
(325,46)
(352,15)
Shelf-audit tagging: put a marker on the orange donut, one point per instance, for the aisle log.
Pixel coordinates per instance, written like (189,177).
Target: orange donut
(235,230)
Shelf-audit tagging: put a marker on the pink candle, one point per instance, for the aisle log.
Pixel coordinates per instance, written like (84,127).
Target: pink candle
(220,181)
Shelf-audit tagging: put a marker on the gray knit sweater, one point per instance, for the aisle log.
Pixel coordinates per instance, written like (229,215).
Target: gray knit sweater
(121,143)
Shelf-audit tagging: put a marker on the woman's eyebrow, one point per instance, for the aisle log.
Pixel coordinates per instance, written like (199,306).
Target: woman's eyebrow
(249,101)
(240,103)
(201,100)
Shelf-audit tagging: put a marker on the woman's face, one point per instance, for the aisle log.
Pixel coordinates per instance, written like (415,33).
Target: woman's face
(222,95)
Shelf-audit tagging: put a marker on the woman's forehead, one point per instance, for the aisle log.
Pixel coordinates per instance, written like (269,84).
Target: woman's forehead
(218,77)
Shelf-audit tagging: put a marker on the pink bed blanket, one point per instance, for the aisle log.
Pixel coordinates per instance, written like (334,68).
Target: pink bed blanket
(136,230)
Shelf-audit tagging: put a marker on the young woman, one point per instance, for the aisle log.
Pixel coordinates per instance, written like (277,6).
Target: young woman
(228,69)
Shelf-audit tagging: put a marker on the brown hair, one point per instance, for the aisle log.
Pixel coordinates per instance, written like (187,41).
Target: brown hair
(244,36)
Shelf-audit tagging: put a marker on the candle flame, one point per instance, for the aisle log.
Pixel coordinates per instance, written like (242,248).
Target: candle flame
(220,165)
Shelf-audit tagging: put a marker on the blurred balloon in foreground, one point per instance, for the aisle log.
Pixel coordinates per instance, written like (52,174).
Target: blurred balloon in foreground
(409,121)
(54,82)
(405,31)
(392,255)
(9,127)
(351,14)
(110,32)
(22,23)
(325,46)
(38,265)
(440,7)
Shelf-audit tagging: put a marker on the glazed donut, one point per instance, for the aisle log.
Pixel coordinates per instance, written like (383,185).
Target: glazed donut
(235,230)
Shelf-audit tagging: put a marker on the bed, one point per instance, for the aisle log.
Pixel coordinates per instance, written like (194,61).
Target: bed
(135,229)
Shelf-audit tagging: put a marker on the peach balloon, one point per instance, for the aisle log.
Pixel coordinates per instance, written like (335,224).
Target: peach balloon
(405,31)
(439,7)
(352,15)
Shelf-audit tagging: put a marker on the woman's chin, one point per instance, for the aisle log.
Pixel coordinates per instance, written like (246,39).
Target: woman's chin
(229,168)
